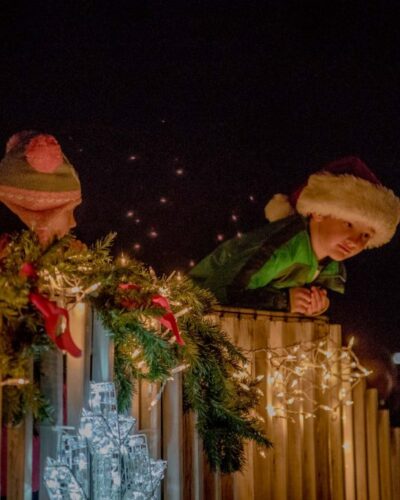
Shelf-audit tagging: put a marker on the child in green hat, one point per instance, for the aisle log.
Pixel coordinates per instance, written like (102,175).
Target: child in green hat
(39,184)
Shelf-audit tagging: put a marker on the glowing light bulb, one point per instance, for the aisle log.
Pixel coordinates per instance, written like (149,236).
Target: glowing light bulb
(153,233)
(270,410)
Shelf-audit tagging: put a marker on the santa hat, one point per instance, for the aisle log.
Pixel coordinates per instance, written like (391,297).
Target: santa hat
(37,182)
(345,189)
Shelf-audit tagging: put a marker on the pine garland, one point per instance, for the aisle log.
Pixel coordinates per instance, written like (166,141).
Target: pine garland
(216,384)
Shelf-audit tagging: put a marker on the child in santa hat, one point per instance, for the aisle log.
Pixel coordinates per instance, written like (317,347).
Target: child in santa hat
(290,263)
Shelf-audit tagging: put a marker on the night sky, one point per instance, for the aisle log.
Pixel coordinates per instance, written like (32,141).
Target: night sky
(184,118)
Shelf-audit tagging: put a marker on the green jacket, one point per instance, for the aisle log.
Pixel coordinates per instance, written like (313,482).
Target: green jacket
(257,269)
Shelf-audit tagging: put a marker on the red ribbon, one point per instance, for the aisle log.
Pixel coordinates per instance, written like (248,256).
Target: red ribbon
(168,319)
(52,315)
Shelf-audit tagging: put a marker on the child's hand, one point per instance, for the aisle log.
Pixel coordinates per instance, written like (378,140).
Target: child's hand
(300,300)
(309,302)
(319,301)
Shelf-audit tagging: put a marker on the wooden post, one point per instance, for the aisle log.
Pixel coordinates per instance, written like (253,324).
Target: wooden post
(279,425)
(1,430)
(385,472)
(372,443)
(348,436)
(51,384)
(263,480)
(19,460)
(193,459)
(102,352)
(309,487)
(293,335)
(239,328)
(173,439)
(395,461)
(360,445)
(19,457)
(335,431)
(78,369)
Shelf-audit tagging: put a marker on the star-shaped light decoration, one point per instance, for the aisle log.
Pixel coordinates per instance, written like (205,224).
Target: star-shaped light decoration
(106,460)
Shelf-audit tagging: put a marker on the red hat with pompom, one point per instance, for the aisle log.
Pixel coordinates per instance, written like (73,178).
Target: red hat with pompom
(345,189)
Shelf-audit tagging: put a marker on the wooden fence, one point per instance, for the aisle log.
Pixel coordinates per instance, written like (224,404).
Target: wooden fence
(350,454)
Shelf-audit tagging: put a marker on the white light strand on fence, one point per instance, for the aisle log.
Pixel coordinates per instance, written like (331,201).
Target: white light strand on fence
(14,382)
(303,374)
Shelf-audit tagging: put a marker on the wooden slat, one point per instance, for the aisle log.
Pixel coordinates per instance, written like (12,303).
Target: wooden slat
(102,352)
(348,437)
(19,456)
(51,384)
(78,369)
(192,460)
(360,443)
(172,438)
(279,425)
(371,407)
(385,472)
(335,430)
(262,473)
(309,486)
(395,461)
(292,334)
(242,335)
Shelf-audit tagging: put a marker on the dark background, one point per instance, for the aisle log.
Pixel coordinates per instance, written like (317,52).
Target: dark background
(221,104)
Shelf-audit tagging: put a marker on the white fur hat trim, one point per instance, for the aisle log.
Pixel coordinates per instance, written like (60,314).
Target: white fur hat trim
(352,199)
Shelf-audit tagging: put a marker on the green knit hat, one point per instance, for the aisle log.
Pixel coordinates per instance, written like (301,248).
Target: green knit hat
(39,184)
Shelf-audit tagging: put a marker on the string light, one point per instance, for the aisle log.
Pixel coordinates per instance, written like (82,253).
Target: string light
(300,371)
(14,382)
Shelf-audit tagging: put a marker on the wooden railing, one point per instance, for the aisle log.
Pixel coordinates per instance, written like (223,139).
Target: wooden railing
(350,454)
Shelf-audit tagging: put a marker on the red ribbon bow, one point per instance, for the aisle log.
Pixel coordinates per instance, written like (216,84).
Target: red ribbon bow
(167,320)
(52,315)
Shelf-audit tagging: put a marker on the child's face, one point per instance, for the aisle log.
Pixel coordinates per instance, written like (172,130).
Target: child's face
(337,238)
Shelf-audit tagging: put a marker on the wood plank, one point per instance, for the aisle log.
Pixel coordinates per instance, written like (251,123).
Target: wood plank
(385,472)
(292,334)
(262,464)
(51,384)
(279,425)
(335,429)
(19,456)
(395,461)
(309,486)
(192,459)
(371,407)
(172,438)
(348,448)
(322,433)
(78,369)
(102,352)
(360,443)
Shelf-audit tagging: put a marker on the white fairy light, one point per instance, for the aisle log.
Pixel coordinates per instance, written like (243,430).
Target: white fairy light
(297,373)
(14,382)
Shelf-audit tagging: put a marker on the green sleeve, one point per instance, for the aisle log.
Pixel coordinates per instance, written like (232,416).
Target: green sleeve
(252,289)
